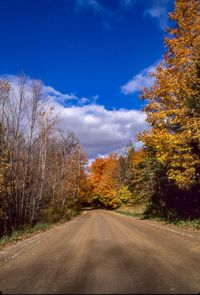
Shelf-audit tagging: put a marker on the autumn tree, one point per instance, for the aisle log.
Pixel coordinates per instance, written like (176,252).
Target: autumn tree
(104,177)
(40,167)
(110,179)
(174,102)
(173,109)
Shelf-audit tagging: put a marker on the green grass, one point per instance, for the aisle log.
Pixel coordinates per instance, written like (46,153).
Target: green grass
(130,213)
(135,210)
(191,224)
(28,231)
(139,212)
(21,234)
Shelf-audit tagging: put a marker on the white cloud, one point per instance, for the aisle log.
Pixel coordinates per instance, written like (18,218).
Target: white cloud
(139,81)
(51,92)
(83,100)
(100,130)
(159,11)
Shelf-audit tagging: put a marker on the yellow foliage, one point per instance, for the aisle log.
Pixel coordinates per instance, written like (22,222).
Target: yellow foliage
(173,110)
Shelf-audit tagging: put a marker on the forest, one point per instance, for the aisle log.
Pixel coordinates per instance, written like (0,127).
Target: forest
(44,172)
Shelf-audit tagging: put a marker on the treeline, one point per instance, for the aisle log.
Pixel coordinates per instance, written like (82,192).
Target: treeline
(111,179)
(166,173)
(139,178)
(41,167)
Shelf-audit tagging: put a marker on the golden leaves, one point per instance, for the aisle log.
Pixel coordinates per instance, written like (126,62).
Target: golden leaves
(173,111)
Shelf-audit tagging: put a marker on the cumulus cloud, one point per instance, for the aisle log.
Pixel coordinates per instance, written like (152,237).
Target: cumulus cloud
(100,130)
(51,93)
(139,81)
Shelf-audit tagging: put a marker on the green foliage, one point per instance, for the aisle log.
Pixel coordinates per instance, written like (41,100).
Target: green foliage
(124,195)
(114,203)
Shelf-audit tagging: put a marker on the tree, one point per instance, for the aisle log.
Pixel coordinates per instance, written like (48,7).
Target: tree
(104,177)
(125,162)
(40,168)
(173,110)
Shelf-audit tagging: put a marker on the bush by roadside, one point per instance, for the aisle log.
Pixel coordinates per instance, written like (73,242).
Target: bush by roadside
(138,211)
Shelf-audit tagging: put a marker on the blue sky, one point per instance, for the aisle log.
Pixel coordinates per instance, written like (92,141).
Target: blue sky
(96,52)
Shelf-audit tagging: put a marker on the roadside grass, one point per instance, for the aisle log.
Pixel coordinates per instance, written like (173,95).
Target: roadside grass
(29,231)
(23,233)
(138,211)
(130,213)
(190,224)
(134,210)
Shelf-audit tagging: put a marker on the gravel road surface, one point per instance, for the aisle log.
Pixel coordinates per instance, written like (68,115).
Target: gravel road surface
(102,252)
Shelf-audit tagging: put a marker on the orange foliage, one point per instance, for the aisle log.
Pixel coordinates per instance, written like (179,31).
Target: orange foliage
(104,177)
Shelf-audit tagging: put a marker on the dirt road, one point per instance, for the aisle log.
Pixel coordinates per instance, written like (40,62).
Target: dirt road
(103,252)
